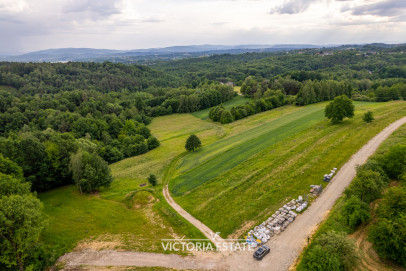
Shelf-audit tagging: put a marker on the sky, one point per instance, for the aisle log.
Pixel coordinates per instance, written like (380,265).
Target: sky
(31,25)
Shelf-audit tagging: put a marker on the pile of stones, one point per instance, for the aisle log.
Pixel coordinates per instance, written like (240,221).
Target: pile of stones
(276,223)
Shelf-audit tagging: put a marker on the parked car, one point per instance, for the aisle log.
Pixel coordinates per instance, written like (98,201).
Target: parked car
(261,252)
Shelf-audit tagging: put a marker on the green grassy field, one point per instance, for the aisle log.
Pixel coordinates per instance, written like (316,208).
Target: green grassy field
(105,217)
(226,192)
(237,100)
(225,154)
(74,217)
(237,89)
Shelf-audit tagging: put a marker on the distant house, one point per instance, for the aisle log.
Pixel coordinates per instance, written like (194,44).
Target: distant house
(228,84)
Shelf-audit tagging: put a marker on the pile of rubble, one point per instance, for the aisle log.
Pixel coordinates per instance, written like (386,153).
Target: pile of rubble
(316,190)
(277,223)
(328,177)
(282,218)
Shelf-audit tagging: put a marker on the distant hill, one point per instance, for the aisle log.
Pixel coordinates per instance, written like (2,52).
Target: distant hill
(173,52)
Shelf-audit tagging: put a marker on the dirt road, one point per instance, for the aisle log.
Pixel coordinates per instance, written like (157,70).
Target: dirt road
(203,228)
(75,260)
(285,247)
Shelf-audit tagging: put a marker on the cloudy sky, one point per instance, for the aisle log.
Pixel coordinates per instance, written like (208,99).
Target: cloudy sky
(30,25)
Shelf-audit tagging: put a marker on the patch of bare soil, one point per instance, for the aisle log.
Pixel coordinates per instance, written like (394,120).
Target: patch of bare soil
(157,220)
(121,259)
(114,268)
(149,202)
(102,242)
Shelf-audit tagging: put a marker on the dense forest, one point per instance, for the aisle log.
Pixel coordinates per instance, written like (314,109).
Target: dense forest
(369,62)
(54,110)
(364,73)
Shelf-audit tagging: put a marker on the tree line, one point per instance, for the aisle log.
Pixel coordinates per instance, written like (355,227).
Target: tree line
(270,99)
(314,90)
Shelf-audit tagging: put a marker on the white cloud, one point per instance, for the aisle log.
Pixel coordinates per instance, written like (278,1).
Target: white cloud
(129,24)
(293,6)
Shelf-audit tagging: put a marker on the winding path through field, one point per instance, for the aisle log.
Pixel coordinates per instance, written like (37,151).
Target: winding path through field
(285,248)
(203,228)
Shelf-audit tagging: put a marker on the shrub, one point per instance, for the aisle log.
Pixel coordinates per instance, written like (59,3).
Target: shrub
(330,251)
(394,161)
(215,113)
(137,149)
(355,211)
(388,234)
(144,131)
(152,142)
(226,117)
(317,258)
(152,180)
(388,237)
(260,105)
(367,186)
(393,203)
(242,112)
(368,117)
(384,94)
(374,165)
(250,108)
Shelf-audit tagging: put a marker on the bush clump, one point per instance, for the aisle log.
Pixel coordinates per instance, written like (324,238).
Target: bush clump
(330,251)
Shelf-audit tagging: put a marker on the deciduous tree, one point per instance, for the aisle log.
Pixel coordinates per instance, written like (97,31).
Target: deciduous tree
(21,222)
(339,108)
(90,171)
(193,142)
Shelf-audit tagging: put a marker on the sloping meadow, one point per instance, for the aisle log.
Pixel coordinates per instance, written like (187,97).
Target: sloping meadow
(246,177)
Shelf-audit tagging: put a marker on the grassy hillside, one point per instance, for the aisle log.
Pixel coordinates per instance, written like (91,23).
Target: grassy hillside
(294,154)
(228,153)
(104,219)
